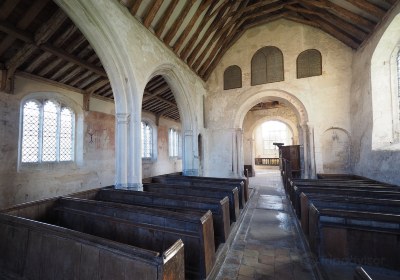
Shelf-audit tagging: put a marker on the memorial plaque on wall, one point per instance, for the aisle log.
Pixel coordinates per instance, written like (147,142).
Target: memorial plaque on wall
(309,64)
(232,77)
(274,64)
(258,69)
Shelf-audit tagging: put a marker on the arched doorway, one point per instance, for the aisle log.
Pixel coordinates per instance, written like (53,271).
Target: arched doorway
(295,113)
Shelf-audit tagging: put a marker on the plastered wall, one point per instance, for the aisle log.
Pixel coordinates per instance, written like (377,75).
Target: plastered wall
(326,98)
(98,150)
(375,153)
(164,163)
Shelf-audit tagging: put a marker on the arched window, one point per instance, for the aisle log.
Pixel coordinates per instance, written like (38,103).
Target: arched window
(173,142)
(147,140)
(398,75)
(309,64)
(47,132)
(267,66)
(232,77)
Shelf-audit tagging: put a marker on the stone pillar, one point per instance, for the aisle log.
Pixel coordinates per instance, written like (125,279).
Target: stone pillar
(124,154)
(305,149)
(234,155)
(313,173)
(239,146)
(188,165)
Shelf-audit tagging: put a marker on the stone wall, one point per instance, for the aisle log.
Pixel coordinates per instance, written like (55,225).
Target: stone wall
(375,148)
(98,168)
(325,98)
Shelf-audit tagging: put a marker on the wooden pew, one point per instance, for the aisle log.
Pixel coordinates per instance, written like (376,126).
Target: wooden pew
(352,191)
(177,203)
(353,203)
(304,182)
(198,182)
(149,228)
(35,250)
(360,274)
(234,180)
(199,191)
(355,236)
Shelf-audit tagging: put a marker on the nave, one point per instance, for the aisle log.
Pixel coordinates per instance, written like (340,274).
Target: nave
(270,244)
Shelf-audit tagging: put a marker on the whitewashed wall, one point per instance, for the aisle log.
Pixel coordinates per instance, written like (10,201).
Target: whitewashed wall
(325,98)
(375,147)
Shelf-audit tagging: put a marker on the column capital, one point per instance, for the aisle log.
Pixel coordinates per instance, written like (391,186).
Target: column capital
(188,133)
(122,118)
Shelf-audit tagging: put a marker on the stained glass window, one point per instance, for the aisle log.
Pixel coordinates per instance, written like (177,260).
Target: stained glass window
(146,140)
(173,143)
(47,132)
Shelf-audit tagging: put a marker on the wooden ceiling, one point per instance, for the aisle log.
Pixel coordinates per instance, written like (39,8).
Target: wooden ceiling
(38,41)
(268,105)
(199,32)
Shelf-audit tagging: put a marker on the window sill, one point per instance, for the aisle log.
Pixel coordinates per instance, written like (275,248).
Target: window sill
(50,166)
(148,160)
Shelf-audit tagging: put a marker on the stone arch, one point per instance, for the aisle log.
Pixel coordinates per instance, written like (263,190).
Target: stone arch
(252,98)
(385,87)
(96,28)
(187,114)
(336,150)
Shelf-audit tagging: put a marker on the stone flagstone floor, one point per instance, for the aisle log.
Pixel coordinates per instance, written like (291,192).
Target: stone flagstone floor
(268,245)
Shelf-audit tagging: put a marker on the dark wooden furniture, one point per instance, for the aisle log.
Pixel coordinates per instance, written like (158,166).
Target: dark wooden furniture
(177,203)
(147,228)
(267,161)
(199,191)
(292,154)
(351,203)
(206,182)
(355,236)
(360,274)
(250,170)
(35,250)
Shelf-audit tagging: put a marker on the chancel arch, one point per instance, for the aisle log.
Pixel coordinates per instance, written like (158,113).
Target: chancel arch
(267,66)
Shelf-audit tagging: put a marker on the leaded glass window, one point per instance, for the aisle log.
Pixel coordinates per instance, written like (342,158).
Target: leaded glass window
(146,140)
(47,132)
(30,132)
(267,66)
(273,132)
(173,143)
(398,74)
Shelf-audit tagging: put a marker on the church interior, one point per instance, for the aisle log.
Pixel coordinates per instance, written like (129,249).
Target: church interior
(199,139)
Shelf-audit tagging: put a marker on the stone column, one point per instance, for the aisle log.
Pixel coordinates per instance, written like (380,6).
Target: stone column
(188,167)
(125,157)
(305,149)
(313,173)
(234,155)
(239,145)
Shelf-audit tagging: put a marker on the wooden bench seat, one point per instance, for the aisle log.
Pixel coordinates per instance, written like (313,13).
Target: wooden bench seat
(199,191)
(177,203)
(35,250)
(198,182)
(348,191)
(235,180)
(148,228)
(351,203)
(355,236)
